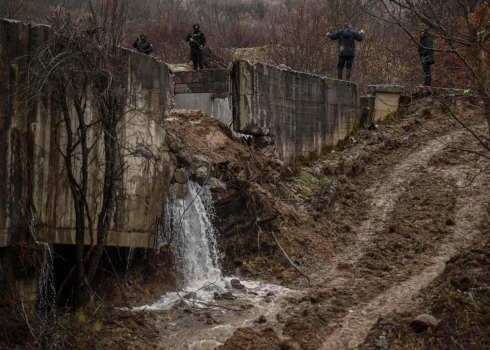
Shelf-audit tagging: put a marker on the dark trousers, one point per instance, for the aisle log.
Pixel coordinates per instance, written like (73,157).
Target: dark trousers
(346,61)
(197,59)
(427,74)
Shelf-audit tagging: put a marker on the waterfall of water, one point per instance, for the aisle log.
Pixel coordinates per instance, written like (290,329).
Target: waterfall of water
(187,225)
(47,290)
(189,221)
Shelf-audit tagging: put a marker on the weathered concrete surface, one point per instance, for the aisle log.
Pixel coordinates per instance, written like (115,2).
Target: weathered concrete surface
(205,90)
(302,112)
(386,101)
(32,174)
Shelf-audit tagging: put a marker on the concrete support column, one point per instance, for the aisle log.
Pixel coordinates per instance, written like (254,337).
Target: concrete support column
(386,100)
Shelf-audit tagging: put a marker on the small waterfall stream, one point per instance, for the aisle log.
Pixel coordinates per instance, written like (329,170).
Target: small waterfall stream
(47,290)
(194,237)
(188,227)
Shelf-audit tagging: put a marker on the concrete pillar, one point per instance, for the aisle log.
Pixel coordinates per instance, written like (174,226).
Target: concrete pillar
(386,99)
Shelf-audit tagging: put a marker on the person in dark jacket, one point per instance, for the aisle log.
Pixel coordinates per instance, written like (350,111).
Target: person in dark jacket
(141,44)
(347,48)
(426,55)
(196,40)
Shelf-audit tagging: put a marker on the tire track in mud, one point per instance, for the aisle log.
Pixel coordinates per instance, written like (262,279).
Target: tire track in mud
(356,325)
(384,197)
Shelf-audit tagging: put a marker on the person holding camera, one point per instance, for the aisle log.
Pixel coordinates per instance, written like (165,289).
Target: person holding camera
(141,44)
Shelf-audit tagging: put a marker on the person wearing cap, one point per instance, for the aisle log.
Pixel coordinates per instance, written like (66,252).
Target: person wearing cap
(196,40)
(347,48)
(141,44)
(426,55)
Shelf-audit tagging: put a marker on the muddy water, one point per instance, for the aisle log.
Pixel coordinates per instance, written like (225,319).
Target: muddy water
(206,325)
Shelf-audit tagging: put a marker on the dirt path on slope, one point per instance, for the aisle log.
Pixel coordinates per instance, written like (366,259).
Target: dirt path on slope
(418,215)
(384,197)
(360,320)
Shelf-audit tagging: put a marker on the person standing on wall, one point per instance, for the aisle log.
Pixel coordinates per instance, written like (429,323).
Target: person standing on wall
(426,55)
(196,40)
(347,48)
(141,44)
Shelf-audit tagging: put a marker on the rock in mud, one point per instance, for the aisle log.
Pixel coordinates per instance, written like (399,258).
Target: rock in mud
(216,185)
(261,319)
(450,222)
(422,322)
(236,284)
(202,174)
(191,295)
(282,317)
(224,296)
(287,345)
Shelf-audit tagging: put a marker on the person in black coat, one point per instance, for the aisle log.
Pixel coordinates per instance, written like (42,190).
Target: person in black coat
(347,48)
(141,44)
(196,40)
(426,55)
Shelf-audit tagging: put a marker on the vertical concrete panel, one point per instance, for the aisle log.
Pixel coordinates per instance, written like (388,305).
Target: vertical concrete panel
(274,116)
(309,99)
(15,53)
(5,123)
(333,110)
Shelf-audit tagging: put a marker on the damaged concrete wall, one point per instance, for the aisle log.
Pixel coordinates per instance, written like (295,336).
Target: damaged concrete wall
(301,113)
(32,173)
(205,90)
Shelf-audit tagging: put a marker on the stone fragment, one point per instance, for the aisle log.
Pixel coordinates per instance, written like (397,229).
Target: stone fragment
(216,185)
(422,322)
(235,283)
(224,296)
(261,319)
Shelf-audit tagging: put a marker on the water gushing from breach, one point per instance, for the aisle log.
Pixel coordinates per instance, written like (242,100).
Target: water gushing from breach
(190,229)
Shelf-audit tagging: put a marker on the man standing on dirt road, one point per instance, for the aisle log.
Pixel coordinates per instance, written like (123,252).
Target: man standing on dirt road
(426,55)
(347,48)
(196,40)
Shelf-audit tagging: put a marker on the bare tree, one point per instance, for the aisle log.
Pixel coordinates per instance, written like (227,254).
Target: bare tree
(82,68)
(461,29)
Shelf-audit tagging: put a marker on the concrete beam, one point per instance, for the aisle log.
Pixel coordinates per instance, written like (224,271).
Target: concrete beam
(114,239)
(395,89)
(202,87)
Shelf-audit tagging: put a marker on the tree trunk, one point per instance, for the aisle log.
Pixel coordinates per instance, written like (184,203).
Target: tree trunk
(109,121)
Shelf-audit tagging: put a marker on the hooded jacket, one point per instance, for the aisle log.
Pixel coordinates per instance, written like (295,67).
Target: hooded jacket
(347,38)
(143,46)
(426,43)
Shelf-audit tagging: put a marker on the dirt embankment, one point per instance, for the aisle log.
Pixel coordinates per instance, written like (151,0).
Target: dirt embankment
(246,187)
(389,211)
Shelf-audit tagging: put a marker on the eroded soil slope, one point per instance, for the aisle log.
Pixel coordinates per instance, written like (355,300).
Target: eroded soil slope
(394,206)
